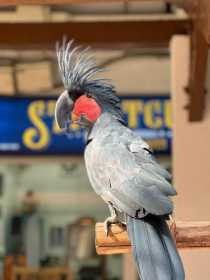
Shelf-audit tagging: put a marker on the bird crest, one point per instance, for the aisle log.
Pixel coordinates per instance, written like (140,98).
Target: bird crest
(78,69)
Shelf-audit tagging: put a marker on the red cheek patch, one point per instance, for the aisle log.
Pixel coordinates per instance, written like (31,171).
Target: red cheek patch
(87,106)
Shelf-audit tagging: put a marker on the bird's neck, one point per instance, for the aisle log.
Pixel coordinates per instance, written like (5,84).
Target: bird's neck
(101,124)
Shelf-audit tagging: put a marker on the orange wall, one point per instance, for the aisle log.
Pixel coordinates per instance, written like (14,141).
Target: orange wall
(191,159)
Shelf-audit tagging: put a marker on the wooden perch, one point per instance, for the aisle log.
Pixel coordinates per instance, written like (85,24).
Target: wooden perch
(186,234)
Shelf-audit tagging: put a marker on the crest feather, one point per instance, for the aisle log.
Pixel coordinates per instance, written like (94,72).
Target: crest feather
(77,69)
(76,65)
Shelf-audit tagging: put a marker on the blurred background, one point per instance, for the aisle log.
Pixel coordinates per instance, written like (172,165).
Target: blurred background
(48,209)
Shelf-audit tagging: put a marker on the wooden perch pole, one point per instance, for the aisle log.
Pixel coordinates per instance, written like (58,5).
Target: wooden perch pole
(186,234)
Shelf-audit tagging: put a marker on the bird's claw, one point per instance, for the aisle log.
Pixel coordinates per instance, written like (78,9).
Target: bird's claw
(123,224)
(172,226)
(107,227)
(109,221)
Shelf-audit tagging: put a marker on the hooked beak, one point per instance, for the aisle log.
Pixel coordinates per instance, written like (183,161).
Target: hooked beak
(63,109)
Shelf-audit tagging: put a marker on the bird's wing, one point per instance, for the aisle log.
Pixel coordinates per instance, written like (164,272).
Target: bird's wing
(143,156)
(136,179)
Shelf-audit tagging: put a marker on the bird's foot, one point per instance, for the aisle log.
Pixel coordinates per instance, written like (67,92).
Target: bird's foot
(172,226)
(111,220)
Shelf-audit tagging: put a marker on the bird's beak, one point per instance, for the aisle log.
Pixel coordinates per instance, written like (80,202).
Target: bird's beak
(63,109)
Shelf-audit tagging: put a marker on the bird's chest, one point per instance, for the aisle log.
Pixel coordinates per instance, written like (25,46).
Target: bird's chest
(94,161)
(104,167)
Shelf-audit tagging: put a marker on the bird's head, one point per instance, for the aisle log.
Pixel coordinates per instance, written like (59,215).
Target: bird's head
(85,98)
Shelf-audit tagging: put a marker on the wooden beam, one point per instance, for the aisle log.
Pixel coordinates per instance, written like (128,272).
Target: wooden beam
(198,69)
(66,2)
(44,35)
(187,235)
(199,11)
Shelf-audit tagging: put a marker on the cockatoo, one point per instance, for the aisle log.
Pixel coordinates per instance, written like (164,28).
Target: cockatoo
(120,165)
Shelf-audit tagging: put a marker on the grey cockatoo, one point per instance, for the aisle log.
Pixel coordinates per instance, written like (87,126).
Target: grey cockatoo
(120,165)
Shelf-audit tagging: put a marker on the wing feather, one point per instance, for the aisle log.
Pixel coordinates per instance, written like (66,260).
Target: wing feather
(124,172)
(136,174)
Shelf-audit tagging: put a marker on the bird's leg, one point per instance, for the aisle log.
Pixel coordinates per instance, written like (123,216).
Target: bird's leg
(113,219)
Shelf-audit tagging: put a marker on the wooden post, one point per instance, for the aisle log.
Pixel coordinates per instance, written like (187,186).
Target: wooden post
(186,234)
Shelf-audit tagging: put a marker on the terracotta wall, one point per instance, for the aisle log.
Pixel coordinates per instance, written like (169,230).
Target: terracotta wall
(191,159)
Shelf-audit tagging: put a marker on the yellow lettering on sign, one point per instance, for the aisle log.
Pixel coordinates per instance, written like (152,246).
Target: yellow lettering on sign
(152,117)
(132,108)
(168,113)
(51,108)
(158,144)
(37,137)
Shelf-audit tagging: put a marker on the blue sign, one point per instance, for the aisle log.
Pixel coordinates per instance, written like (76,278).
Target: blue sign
(27,125)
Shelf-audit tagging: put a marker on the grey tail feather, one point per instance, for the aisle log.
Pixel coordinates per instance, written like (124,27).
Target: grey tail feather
(154,250)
